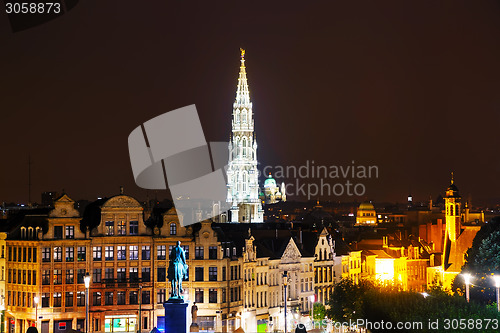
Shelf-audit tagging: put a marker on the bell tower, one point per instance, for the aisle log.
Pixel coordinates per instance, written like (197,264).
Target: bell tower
(453,211)
(242,173)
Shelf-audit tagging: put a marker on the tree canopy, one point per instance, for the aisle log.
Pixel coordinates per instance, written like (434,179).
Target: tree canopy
(482,262)
(366,301)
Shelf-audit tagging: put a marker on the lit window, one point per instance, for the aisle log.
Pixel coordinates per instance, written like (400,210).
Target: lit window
(57,253)
(161,252)
(133,252)
(70,254)
(97,253)
(121,228)
(70,232)
(109,253)
(121,252)
(110,228)
(82,253)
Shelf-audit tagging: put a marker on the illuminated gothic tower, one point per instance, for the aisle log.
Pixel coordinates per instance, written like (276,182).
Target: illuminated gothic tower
(242,174)
(453,212)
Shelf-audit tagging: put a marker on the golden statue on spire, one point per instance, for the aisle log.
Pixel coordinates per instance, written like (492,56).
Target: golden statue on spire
(242,52)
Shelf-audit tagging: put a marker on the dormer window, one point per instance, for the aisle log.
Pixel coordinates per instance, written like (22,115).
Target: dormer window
(121,229)
(109,228)
(23,232)
(69,232)
(173,228)
(58,232)
(134,227)
(30,233)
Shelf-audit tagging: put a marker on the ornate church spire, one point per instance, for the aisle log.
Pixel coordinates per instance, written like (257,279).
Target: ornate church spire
(242,93)
(242,173)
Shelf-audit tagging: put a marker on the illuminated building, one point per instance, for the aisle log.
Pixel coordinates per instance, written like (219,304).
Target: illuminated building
(396,260)
(457,240)
(366,214)
(272,192)
(324,271)
(242,173)
(234,276)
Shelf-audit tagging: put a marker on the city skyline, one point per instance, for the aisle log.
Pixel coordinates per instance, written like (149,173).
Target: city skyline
(410,89)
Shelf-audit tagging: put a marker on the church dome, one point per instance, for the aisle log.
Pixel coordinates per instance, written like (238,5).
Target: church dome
(270,182)
(452,190)
(366,206)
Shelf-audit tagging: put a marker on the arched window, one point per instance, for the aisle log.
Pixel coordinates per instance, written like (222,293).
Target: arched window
(244,116)
(238,181)
(244,181)
(237,116)
(23,232)
(244,147)
(30,233)
(173,228)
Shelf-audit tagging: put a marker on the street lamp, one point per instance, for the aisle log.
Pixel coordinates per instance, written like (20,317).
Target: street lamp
(497,285)
(86,279)
(35,300)
(467,278)
(285,283)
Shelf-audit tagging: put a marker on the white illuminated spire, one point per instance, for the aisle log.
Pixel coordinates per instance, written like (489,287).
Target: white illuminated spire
(242,173)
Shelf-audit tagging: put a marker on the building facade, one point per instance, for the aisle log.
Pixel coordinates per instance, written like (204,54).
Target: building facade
(235,278)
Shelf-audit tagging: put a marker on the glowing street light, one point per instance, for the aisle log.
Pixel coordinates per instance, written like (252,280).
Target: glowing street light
(35,300)
(497,285)
(86,280)
(425,294)
(467,278)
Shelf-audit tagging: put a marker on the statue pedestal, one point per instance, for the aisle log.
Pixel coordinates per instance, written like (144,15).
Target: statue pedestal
(194,328)
(176,320)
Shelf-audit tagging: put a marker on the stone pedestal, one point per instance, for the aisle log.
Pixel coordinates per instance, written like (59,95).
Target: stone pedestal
(194,328)
(176,320)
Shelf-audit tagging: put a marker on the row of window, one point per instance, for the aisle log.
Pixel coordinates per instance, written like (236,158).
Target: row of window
(121,228)
(69,232)
(324,274)
(261,299)
(26,299)
(56,276)
(22,254)
(21,276)
(199,273)
(56,254)
(29,233)
(261,277)
(109,297)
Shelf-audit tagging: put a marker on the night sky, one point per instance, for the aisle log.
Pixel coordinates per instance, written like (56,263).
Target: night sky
(412,87)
